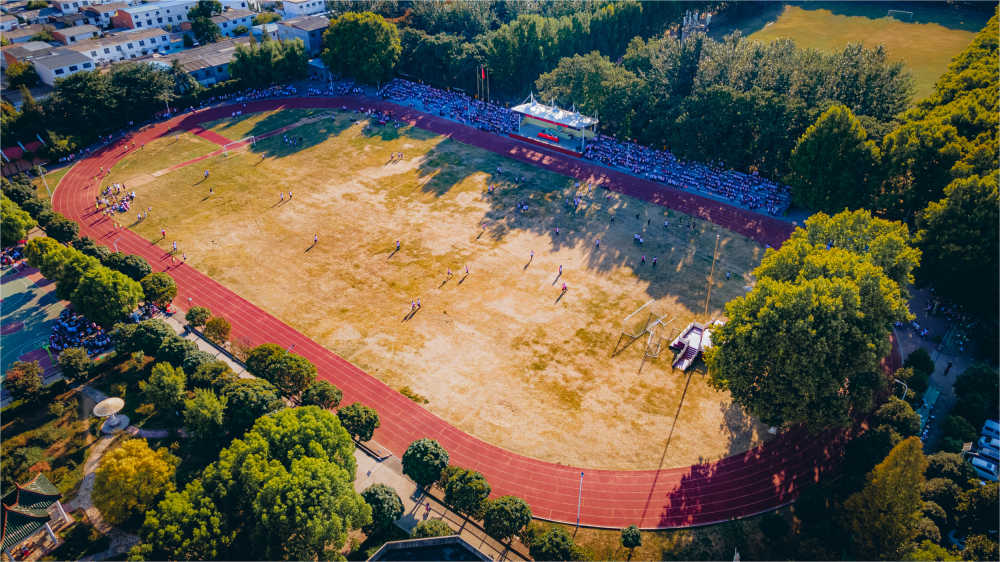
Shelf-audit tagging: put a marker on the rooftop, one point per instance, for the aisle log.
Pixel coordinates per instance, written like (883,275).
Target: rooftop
(231,15)
(553,114)
(451,547)
(61,57)
(21,50)
(102,8)
(307,23)
(24,31)
(7,17)
(208,56)
(78,29)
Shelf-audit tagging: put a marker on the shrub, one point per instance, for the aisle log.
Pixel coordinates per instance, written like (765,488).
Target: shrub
(197,316)
(75,363)
(920,360)
(217,329)
(432,528)
(23,380)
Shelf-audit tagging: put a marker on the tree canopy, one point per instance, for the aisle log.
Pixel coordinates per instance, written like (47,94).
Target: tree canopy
(16,222)
(362,45)
(359,420)
(159,288)
(424,460)
(131,478)
(290,373)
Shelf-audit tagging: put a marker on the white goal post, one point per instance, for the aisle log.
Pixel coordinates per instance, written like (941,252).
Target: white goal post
(251,140)
(901,15)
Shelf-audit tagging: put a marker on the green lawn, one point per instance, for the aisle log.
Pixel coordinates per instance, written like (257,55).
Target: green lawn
(163,153)
(926,48)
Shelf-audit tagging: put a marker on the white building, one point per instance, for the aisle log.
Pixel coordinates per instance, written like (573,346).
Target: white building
(101,14)
(297,8)
(166,14)
(72,6)
(309,29)
(61,63)
(124,46)
(7,22)
(229,20)
(76,34)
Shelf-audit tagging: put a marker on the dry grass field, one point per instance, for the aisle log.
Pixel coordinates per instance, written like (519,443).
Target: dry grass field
(497,352)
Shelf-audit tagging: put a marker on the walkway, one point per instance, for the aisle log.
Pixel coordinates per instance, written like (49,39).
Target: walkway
(756,481)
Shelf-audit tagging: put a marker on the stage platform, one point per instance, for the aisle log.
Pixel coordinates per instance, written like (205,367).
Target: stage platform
(546,144)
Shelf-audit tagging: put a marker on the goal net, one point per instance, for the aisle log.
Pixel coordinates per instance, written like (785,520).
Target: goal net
(901,15)
(635,325)
(245,141)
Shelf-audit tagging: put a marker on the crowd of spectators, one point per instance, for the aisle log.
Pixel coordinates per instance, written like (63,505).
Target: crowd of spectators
(749,190)
(74,330)
(453,105)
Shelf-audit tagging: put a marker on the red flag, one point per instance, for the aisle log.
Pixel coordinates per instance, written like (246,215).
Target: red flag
(483,69)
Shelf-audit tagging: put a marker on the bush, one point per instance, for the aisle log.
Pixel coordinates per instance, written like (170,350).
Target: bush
(135,267)
(432,528)
(240,30)
(197,316)
(75,363)
(62,229)
(23,380)
(921,362)
(217,329)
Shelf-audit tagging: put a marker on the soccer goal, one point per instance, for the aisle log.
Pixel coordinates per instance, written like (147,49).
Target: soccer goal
(901,15)
(634,326)
(245,141)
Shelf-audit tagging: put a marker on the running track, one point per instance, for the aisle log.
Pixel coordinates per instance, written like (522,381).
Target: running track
(756,481)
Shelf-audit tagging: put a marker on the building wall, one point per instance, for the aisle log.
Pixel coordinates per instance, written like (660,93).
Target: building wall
(313,40)
(8,24)
(296,9)
(67,38)
(227,27)
(153,15)
(50,75)
(119,51)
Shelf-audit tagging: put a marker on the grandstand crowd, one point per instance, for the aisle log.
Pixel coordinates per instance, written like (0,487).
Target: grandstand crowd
(748,190)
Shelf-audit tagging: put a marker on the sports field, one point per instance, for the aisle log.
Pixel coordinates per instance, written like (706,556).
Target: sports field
(499,353)
(924,45)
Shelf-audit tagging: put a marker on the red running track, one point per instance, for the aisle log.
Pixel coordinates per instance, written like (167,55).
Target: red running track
(756,481)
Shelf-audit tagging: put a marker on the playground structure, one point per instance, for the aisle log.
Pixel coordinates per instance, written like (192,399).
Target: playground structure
(691,342)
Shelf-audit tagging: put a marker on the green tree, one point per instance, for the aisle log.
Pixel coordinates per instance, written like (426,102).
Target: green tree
(197,316)
(204,413)
(130,480)
(322,394)
(505,517)
(217,374)
(204,29)
(217,329)
(193,361)
(942,492)
(72,270)
(466,492)
(804,345)
(981,547)
(265,17)
(292,374)
(920,361)
(134,266)
(249,399)
(958,237)
(833,164)
(431,528)
(363,45)
(165,387)
(424,460)
(175,350)
(928,550)
(16,222)
(23,380)
(883,516)
(385,503)
(106,296)
(185,525)
(159,288)
(75,364)
(898,415)
(90,248)
(149,336)
(21,73)
(948,465)
(359,420)
(978,510)
(631,538)
(62,229)
(554,544)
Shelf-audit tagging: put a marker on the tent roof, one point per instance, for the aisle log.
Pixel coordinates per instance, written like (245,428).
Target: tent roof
(572,119)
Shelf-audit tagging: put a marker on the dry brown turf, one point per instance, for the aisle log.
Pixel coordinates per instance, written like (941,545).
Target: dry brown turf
(496,353)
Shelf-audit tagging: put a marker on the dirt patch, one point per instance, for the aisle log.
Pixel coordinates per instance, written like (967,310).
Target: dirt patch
(499,351)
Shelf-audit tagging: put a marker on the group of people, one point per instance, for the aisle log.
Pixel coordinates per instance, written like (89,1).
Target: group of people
(337,88)
(11,255)
(453,105)
(114,199)
(74,330)
(748,190)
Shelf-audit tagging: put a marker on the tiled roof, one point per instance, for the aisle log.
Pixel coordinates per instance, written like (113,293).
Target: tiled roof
(17,527)
(24,510)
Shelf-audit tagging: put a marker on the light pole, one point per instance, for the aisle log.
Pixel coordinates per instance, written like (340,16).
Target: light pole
(711,275)
(579,501)
(41,174)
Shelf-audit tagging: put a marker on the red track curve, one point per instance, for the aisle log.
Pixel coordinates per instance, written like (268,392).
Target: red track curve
(756,481)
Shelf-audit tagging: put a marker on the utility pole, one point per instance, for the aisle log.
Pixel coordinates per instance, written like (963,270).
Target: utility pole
(41,173)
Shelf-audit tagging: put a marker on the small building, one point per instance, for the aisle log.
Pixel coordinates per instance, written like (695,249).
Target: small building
(72,6)
(309,29)
(8,22)
(452,547)
(23,33)
(229,20)
(101,14)
(61,63)
(298,8)
(235,5)
(166,14)
(269,30)
(115,47)
(208,64)
(68,35)
(28,510)
(37,16)
(22,52)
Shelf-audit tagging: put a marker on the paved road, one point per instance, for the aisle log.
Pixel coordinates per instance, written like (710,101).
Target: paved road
(756,481)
